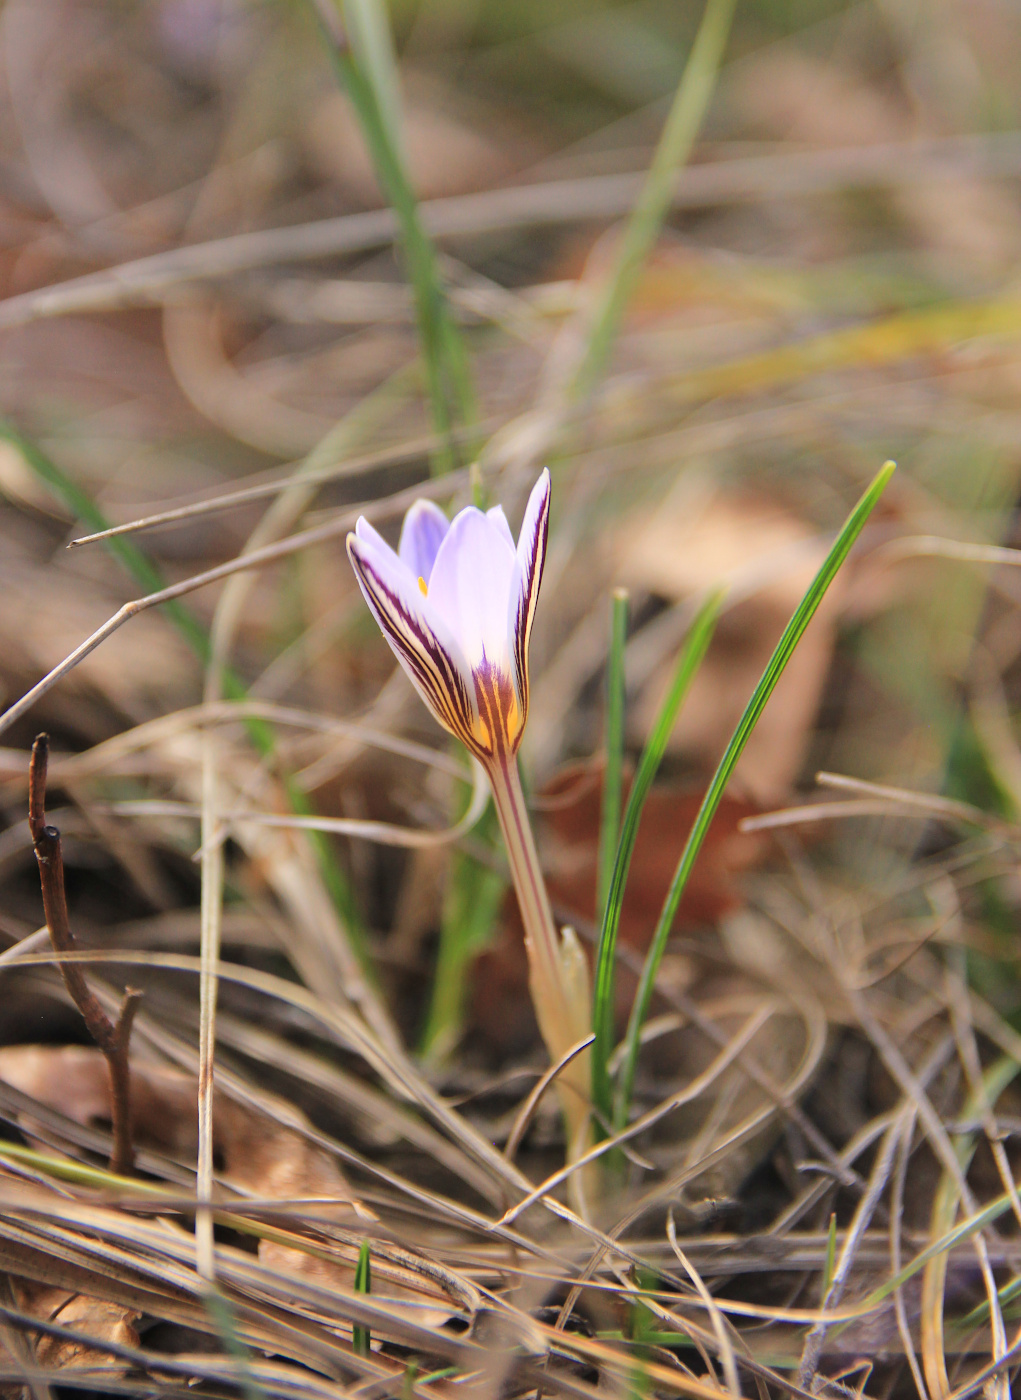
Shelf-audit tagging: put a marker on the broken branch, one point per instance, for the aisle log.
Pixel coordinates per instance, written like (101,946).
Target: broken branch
(113,1040)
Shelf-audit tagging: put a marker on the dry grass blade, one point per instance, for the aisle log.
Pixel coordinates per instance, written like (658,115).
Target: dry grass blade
(724,1341)
(529,1105)
(691,1091)
(152,280)
(388,834)
(878,1182)
(228,500)
(213,339)
(926,802)
(269,554)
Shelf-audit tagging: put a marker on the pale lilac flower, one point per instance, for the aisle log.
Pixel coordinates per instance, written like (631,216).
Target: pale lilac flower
(456,603)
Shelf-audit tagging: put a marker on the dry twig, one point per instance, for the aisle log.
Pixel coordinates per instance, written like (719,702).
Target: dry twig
(112,1039)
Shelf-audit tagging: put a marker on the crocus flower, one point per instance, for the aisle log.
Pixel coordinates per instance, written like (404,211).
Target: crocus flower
(456,603)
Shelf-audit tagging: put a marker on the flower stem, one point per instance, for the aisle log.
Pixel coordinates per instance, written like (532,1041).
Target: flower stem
(557,972)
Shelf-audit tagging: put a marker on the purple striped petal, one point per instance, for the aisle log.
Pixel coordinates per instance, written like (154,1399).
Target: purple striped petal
(369,535)
(421,641)
(422,533)
(531,556)
(456,605)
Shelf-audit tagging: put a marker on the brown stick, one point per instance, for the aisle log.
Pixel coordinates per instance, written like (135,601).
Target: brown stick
(112,1039)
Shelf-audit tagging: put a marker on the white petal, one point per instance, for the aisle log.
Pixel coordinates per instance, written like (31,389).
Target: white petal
(498,518)
(531,556)
(422,533)
(470,588)
(419,639)
(368,534)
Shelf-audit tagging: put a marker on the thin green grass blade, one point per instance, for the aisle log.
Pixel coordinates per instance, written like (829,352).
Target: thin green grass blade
(150,580)
(774,670)
(830,1262)
(613,774)
(361,1337)
(222,1318)
(979,1316)
(125,551)
(603,997)
(682,125)
(472,902)
(368,26)
(369,79)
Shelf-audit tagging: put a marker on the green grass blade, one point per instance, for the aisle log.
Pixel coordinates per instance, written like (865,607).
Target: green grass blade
(613,774)
(688,662)
(682,125)
(222,1317)
(774,670)
(369,79)
(368,26)
(361,1337)
(472,902)
(150,580)
(125,551)
(830,1262)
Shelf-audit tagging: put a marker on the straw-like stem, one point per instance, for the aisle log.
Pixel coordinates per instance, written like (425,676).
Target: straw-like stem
(557,972)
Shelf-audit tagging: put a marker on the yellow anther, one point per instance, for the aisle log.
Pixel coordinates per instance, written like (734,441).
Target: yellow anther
(423,585)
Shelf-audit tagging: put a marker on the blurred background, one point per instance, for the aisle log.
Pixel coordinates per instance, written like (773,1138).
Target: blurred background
(835,283)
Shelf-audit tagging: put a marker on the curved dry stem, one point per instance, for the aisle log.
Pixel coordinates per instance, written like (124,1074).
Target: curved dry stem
(716,1318)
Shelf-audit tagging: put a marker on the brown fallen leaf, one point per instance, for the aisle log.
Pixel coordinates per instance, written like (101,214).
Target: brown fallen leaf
(94,1318)
(106,1322)
(696,538)
(256,1153)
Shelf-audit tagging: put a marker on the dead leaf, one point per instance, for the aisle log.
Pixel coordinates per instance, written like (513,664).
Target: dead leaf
(99,1320)
(694,539)
(107,1322)
(256,1154)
